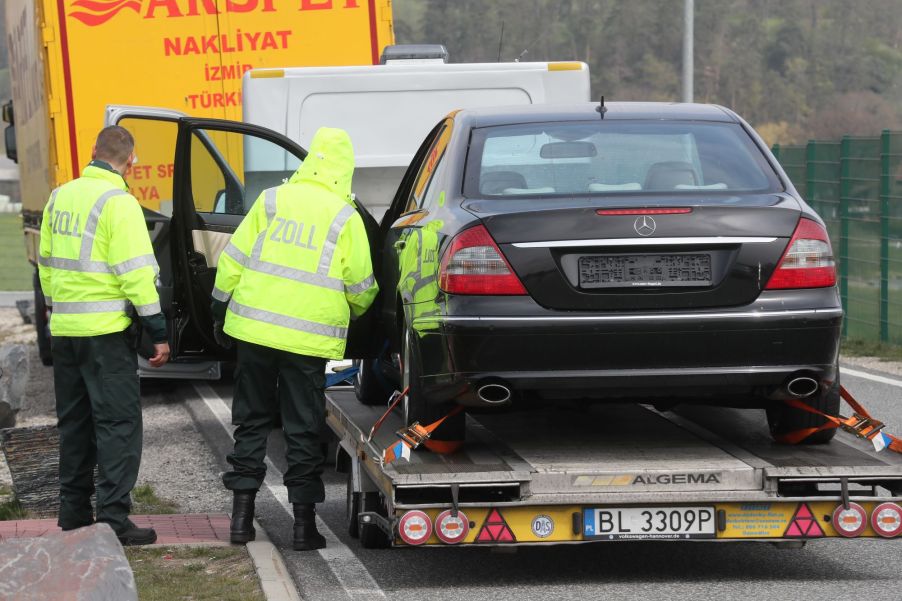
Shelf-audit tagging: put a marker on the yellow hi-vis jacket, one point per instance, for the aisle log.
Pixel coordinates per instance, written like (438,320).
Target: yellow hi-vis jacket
(299,264)
(96,256)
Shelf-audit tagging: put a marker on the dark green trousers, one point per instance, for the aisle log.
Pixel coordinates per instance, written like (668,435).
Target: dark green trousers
(98,404)
(270,383)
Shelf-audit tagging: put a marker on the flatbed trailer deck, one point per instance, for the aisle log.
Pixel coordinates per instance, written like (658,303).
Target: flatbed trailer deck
(574,473)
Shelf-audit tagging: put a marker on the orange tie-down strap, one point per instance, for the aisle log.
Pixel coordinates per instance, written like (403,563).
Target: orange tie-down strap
(416,435)
(443,446)
(861,424)
(413,436)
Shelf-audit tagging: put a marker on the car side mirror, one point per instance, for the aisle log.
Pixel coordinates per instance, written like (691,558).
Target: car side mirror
(9,136)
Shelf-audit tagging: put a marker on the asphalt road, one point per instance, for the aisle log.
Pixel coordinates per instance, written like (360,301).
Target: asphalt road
(834,569)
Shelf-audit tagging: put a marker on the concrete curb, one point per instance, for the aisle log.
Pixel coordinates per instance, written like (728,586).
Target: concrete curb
(274,577)
(8,298)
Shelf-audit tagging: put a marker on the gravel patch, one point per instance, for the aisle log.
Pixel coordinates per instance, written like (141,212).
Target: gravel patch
(177,462)
(875,364)
(13,329)
(39,407)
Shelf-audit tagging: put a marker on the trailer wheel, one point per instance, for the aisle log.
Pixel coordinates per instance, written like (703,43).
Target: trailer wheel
(371,536)
(41,323)
(418,408)
(784,419)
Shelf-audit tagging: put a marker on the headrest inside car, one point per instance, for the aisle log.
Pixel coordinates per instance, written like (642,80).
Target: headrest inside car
(667,175)
(496,182)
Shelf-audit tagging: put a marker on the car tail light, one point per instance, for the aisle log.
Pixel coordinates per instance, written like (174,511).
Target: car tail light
(452,529)
(886,520)
(473,264)
(808,260)
(415,527)
(850,522)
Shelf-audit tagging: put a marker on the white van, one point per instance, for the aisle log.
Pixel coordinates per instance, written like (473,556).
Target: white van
(388,109)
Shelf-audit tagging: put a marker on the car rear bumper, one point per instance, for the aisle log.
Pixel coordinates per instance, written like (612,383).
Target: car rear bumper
(746,351)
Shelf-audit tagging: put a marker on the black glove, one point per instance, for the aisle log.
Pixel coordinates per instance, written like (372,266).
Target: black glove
(221,338)
(218,310)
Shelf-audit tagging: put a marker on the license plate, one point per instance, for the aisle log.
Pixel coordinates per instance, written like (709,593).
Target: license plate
(638,523)
(627,271)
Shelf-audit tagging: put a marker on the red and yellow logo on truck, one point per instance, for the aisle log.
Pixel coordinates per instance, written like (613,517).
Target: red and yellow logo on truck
(98,12)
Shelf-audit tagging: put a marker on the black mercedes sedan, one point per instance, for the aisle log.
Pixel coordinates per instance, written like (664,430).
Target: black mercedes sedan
(642,252)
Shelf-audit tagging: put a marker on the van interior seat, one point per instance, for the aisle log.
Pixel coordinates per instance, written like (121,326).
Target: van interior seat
(496,182)
(667,175)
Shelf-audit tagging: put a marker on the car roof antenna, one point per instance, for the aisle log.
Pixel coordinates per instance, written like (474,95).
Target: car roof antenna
(601,108)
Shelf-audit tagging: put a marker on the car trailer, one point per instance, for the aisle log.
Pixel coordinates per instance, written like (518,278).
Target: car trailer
(572,473)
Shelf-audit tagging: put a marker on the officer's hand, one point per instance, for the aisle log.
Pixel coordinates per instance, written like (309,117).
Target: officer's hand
(221,338)
(161,355)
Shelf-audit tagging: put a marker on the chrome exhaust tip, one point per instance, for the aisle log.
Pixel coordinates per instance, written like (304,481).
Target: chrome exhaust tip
(494,393)
(802,387)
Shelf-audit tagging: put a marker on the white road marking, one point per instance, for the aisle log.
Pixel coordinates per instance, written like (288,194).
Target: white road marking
(872,377)
(353,576)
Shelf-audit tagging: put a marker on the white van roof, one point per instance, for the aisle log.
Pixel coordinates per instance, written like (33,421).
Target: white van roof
(389,109)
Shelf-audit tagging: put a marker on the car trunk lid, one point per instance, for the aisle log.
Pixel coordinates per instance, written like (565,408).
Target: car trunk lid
(642,253)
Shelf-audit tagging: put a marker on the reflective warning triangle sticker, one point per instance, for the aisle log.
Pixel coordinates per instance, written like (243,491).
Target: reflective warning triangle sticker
(803,524)
(495,530)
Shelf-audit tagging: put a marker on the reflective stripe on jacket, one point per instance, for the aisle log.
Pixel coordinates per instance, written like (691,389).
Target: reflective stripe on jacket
(299,264)
(96,256)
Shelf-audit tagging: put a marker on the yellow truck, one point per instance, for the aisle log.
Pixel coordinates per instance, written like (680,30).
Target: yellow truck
(69,59)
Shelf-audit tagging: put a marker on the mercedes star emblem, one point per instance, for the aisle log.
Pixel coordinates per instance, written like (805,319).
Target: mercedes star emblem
(645,225)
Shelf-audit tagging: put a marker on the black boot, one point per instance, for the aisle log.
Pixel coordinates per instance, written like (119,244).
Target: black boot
(131,535)
(306,537)
(242,528)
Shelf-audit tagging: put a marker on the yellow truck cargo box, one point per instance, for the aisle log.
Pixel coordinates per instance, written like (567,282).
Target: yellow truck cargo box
(71,58)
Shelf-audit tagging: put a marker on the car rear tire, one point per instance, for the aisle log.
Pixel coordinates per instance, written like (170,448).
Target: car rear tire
(418,407)
(41,325)
(368,386)
(784,419)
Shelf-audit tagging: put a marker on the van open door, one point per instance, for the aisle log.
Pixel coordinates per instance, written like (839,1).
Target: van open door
(214,172)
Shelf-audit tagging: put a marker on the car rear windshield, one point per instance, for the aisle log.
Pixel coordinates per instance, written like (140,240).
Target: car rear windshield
(615,158)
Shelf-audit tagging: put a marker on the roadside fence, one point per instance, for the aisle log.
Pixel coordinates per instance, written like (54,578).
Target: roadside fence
(855,185)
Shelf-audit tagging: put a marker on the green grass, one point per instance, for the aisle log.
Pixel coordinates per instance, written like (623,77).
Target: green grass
(869,348)
(15,270)
(11,510)
(196,573)
(146,502)
(9,507)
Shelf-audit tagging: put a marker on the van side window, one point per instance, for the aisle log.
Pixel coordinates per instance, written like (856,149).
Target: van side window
(429,168)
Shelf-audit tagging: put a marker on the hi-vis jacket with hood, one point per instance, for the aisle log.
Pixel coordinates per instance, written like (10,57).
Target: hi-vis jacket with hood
(96,258)
(299,264)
